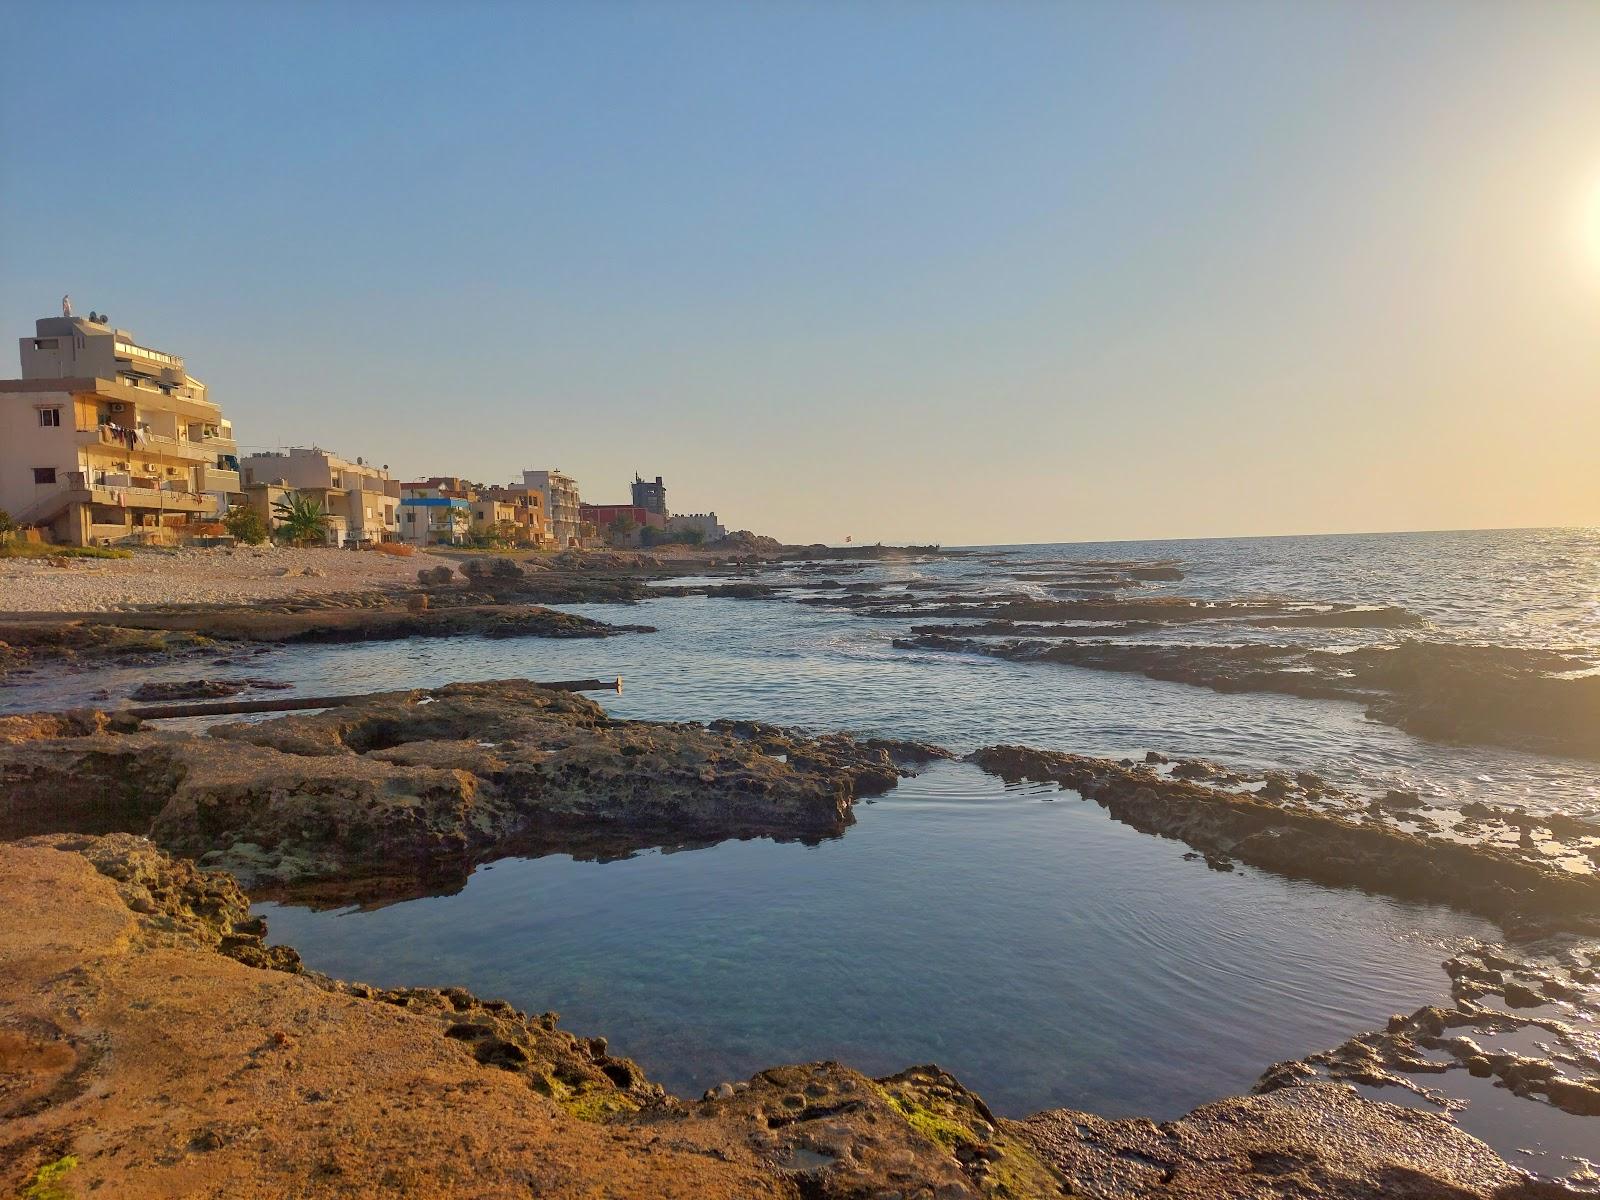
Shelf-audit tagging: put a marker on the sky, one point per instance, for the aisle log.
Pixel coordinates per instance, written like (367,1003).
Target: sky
(966,273)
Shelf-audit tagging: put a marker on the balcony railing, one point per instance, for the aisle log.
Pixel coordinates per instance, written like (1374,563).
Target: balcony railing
(203,450)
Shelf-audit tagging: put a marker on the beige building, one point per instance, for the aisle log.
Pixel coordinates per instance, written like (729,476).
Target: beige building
(561,503)
(527,509)
(106,440)
(361,501)
(522,505)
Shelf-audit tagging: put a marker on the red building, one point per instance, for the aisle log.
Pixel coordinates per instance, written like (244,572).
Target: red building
(602,516)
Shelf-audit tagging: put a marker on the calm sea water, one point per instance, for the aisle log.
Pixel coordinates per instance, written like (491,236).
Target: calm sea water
(825,669)
(1044,953)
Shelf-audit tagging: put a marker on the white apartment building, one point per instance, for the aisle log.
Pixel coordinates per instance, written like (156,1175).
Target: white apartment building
(104,439)
(561,502)
(360,499)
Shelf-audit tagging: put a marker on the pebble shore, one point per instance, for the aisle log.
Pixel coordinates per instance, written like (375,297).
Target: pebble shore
(233,575)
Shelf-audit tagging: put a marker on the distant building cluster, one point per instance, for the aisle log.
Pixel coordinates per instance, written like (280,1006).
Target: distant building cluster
(106,441)
(647,521)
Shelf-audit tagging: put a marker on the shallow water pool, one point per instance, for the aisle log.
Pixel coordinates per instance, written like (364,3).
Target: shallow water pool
(1016,936)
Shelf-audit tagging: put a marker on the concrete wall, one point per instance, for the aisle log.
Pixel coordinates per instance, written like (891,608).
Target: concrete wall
(25,444)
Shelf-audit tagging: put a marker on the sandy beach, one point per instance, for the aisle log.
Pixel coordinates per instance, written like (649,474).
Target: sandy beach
(237,575)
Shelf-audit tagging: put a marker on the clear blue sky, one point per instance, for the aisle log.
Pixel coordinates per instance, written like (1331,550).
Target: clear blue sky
(962,272)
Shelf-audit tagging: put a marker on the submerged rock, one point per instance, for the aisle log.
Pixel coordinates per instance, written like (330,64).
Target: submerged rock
(202,689)
(1463,693)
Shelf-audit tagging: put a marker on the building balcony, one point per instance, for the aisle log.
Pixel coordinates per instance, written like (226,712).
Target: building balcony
(216,479)
(156,445)
(82,489)
(160,499)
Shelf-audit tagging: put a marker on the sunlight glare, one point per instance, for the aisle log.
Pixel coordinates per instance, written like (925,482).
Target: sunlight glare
(1591,222)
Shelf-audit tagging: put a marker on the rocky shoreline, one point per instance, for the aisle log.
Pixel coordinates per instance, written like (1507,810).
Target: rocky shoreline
(407,792)
(153,1044)
(480,602)
(403,794)
(1458,693)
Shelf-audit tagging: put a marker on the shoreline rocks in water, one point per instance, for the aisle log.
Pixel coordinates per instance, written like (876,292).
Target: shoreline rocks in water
(152,637)
(1532,699)
(406,792)
(1277,829)
(159,1046)
(1493,1038)
(202,689)
(1158,610)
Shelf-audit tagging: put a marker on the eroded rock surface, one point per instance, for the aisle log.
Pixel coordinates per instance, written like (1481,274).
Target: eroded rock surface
(139,1059)
(1463,693)
(1320,1142)
(1520,1017)
(412,789)
(1276,828)
(152,1045)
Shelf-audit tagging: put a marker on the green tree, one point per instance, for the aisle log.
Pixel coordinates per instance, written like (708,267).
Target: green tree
(7,526)
(246,524)
(301,520)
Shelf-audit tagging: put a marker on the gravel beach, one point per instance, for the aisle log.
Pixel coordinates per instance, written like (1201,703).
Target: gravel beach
(236,575)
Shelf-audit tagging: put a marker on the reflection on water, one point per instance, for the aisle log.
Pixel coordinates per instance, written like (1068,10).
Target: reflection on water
(826,670)
(1044,954)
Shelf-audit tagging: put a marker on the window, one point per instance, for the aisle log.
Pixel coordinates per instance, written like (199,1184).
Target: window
(50,417)
(411,518)
(44,474)
(46,343)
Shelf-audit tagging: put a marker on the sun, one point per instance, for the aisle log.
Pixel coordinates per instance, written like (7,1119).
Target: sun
(1591,222)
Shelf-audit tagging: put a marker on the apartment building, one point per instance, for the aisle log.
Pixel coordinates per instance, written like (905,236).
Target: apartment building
(104,439)
(435,512)
(361,500)
(526,505)
(561,503)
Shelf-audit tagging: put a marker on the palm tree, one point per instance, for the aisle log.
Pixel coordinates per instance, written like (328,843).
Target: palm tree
(300,519)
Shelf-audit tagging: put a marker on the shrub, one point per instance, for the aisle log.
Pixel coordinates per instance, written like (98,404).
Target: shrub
(246,524)
(398,549)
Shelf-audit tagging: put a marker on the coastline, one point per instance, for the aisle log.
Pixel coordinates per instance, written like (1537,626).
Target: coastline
(815,1129)
(486,770)
(395,1090)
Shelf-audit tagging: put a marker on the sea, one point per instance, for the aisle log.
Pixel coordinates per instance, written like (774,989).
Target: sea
(1014,935)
